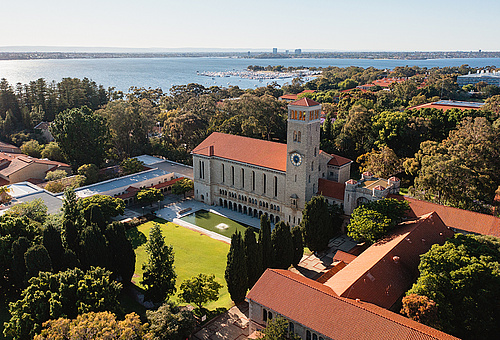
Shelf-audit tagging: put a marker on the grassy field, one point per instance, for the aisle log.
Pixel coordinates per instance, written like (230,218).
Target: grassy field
(194,253)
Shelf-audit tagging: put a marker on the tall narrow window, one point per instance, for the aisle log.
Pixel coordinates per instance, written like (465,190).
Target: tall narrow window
(275,186)
(264,315)
(298,136)
(314,152)
(232,174)
(312,166)
(199,163)
(223,174)
(253,180)
(295,136)
(264,181)
(203,169)
(242,177)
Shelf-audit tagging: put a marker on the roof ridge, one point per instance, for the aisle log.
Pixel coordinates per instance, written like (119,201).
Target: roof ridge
(303,283)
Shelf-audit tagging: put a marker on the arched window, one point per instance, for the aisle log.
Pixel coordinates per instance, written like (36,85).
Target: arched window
(315,337)
(291,327)
(308,335)
(314,152)
(295,136)
(269,315)
(298,136)
(264,315)
(312,165)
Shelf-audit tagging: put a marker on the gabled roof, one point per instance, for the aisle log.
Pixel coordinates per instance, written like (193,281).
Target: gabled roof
(305,102)
(318,308)
(331,189)
(253,151)
(465,220)
(388,268)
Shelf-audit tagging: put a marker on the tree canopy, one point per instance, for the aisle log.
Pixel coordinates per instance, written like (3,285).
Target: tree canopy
(319,223)
(200,289)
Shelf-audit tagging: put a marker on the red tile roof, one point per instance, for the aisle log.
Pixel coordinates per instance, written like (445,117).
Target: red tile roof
(167,183)
(339,160)
(468,221)
(331,189)
(386,270)
(305,102)
(343,256)
(253,151)
(318,308)
(289,96)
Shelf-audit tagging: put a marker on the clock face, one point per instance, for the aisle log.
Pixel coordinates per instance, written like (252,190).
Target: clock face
(296,159)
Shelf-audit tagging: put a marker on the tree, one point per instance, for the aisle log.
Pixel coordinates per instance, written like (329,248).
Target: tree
(253,256)
(35,210)
(462,277)
(4,194)
(182,186)
(265,243)
(55,175)
(110,206)
(121,251)
(68,293)
(159,275)
(99,326)
(421,309)
(384,163)
(82,136)
(70,208)
(281,239)
(236,269)
(169,322)
(318,225)
(53,152)
(298,245)
(93,249)
(36,260)
(90,171)
(373,221)
(277,329)
(53,243)
(131,166)
(32,148)
(149,195)
(200,289)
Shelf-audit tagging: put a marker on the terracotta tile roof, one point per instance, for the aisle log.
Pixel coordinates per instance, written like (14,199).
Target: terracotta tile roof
(305,102)
(352,181)
(253,151)
(330,272)
(289,96)
(343,256)
(468,221)
(318,308)
(167,183)
(387,269)
(338,160)
(5,147)
(331,189)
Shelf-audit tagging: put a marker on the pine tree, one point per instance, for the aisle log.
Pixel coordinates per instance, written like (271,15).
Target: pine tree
(236,269)
(53,243)
(70,207)
(281,238)
(265,243)
(298,245)
(159,275)
(253,257)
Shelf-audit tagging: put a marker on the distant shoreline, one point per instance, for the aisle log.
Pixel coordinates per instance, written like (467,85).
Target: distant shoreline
(251,55)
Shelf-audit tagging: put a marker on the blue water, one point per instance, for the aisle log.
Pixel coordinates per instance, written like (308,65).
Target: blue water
(165,72)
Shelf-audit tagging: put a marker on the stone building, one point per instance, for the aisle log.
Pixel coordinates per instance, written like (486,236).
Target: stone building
(256,177)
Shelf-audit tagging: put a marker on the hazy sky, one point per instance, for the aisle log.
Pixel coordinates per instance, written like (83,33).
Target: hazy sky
(349,25)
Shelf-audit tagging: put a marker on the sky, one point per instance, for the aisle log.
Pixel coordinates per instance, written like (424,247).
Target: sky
(349,25)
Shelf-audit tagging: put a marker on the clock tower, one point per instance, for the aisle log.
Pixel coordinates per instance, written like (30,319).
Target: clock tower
(302,174)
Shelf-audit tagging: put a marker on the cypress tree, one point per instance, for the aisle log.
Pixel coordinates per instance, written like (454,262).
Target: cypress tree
(253,257)
(159,274)
(70,234)
(19,248)
(93,248)
(265,243)
(298,245)
(281,238)
(236,269)
(37,260)
(53,243)
(95,216)
(317,224)
(121,252)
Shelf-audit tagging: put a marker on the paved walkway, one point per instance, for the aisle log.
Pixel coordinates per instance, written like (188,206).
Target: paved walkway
(314,265)
(232,325)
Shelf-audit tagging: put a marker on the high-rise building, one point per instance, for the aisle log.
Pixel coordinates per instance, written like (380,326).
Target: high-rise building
(298,51)
(275,50)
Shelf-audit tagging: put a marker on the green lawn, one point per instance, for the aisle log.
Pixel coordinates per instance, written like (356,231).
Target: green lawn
(194,253)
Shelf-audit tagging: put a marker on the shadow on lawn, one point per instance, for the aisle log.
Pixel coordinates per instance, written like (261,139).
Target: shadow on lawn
(136,237)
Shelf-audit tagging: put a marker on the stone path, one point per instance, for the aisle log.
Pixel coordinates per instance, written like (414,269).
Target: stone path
(232,325)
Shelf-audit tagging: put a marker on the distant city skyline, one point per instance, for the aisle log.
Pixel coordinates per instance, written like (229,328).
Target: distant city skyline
(323,25)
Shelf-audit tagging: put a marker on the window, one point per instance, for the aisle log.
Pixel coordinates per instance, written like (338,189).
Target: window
(264,315)
(270,315)
(253,180)
(232,174)
(298,136)
(308,335)
(291,327)
(312,166)
(264,180)
(201,174)
(315,337)
(314,152)
(275,186)
(295,136)
(223,175)
(242,177)
(309,178)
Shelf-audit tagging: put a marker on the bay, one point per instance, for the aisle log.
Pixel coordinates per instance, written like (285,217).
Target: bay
(122,73)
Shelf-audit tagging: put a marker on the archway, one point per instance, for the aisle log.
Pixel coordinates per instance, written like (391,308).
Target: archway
(271,218)
(240,208)
(221,203)
(245,210)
